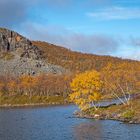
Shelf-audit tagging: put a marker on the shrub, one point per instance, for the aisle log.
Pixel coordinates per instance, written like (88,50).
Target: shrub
(129,114)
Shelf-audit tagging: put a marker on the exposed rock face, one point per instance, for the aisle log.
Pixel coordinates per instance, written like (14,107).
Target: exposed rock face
(11,41)
(18,56)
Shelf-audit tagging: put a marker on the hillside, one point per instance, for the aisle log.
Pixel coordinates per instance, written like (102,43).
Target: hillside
(19,56)
(39,72)
(79,62)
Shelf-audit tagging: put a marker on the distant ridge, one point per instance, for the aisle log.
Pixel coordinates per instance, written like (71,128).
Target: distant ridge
(76,61)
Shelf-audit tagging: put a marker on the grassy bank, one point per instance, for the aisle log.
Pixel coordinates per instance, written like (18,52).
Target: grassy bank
(125,113)
(25,100)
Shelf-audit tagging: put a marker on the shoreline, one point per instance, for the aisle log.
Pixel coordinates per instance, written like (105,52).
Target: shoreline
(99,117)
(76,114)
(31,105)
(124,113)
(34,101)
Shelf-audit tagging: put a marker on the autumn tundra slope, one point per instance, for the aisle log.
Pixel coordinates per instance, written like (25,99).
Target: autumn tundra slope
(19,55)
(79,62)
(40,72)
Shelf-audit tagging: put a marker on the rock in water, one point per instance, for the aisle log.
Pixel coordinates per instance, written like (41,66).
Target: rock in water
(18,56)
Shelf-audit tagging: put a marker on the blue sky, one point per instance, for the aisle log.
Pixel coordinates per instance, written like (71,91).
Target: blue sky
(104,27)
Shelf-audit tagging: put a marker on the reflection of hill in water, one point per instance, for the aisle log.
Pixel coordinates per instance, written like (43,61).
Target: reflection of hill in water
(106,130)
(89,131)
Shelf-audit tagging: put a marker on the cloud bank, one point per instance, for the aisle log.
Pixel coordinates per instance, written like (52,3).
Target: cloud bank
(12,12)
(97,44)
(15,14)
(116,13)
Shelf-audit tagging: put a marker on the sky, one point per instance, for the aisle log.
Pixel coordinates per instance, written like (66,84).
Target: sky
(103,27)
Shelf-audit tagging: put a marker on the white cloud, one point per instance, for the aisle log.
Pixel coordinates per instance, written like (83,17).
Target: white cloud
(116,13)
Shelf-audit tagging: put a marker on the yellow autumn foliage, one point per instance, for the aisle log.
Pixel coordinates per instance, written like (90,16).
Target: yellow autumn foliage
(86,89)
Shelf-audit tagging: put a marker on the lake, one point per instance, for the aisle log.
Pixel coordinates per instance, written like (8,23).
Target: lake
(57,123)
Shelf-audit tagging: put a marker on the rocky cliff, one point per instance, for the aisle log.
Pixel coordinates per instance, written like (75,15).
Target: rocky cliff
(19,56)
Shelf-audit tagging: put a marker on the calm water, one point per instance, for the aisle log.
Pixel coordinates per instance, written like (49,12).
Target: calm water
(55,123)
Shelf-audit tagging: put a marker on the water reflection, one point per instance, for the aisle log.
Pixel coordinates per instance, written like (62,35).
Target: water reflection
(89,131)
(106,130)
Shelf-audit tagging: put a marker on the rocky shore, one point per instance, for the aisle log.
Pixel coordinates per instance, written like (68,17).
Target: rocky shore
(116,117)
